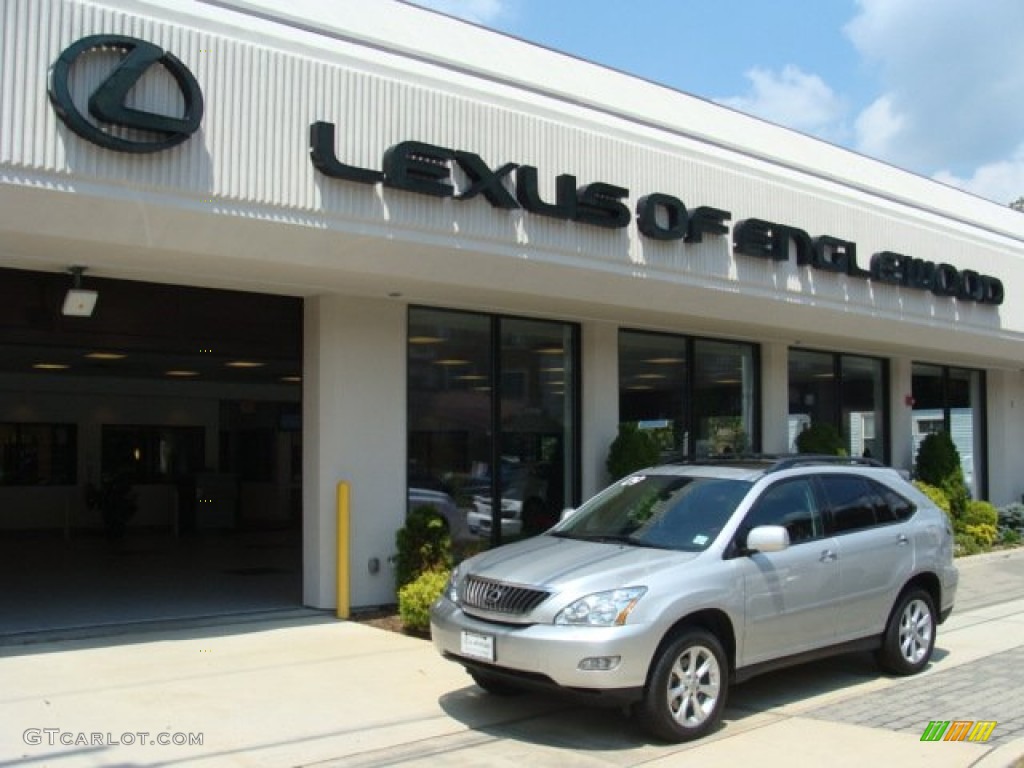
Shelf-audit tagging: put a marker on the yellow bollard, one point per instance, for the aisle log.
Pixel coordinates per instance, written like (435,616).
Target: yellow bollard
(344,521)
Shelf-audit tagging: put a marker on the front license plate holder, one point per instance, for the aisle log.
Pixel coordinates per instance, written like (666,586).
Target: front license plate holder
(477,645)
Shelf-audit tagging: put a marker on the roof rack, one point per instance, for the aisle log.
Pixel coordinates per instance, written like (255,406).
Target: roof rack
(812,459)
(773,462)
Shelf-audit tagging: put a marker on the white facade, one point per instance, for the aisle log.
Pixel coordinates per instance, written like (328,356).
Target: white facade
(240,205)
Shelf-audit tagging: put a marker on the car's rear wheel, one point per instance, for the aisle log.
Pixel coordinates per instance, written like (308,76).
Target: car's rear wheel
(687,687)
(910,634)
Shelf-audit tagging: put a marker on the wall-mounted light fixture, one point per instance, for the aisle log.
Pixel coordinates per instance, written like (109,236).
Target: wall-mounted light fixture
(78,302)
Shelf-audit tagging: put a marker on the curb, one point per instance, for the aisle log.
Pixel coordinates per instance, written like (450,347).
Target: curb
(1007,756)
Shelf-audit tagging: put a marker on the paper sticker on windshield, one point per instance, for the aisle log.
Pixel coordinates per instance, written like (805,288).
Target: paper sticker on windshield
(700,540)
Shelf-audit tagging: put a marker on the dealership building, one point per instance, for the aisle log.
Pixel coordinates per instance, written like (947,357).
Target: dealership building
(252,250)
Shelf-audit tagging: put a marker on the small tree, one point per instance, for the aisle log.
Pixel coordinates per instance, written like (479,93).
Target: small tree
(937,459)
(423,544)
(822,438)
(631,450)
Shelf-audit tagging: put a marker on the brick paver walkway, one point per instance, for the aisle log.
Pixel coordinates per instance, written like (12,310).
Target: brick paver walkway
(988,689)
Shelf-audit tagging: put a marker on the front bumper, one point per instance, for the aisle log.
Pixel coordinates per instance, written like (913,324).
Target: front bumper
(548,655)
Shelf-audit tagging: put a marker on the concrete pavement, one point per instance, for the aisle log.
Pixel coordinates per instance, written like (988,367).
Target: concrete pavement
(304,689)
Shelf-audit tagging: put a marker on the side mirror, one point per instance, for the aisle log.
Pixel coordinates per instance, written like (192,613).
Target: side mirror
(768,538)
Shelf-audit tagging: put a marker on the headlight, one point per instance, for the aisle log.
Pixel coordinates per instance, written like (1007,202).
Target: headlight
(451,589)
(602,609)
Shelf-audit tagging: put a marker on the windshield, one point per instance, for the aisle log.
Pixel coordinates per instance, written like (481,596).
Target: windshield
(663,511)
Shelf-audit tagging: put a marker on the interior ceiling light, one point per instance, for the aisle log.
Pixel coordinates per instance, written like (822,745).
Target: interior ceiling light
(550,351)
(292,379)
(78,302)
(425,340)
(181,373)
(666,360)
(106,355)
(451,361)
(244,364)
(51,366)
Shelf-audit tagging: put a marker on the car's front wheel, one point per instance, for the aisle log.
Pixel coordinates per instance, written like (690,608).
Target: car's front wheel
(687,687)
(910,634)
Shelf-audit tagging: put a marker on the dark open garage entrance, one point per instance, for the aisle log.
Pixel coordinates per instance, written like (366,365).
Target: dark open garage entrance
(150,453)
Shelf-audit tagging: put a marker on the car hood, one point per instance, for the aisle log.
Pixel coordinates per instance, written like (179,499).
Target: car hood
(556,563)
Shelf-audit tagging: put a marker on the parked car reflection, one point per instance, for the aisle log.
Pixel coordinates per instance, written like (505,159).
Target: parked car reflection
(445,506)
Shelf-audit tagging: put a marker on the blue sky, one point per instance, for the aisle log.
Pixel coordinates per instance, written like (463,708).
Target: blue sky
(933,86)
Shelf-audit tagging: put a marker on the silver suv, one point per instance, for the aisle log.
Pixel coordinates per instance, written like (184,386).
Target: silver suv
(679,580)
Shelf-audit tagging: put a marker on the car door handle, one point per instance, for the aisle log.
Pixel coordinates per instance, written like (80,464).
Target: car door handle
(828,556)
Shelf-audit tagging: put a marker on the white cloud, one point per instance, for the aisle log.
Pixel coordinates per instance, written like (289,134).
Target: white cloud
(1001,181)
(792,98)
(478,11)
(876,127)
(952,78)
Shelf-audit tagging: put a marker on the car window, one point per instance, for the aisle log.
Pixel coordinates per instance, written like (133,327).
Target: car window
(791,504)
(851,502)
(892,507)
(664,511)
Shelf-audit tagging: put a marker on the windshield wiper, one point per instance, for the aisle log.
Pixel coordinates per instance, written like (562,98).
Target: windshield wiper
(614,538)
(604,538)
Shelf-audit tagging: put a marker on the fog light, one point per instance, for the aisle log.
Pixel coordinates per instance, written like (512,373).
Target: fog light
(600,663)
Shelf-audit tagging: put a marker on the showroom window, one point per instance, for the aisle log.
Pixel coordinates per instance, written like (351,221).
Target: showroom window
(697,396)
(38,454)
(493,421)
(845,391)
(952,400)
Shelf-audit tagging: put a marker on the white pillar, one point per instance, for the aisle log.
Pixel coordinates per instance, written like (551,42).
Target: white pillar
(901,413)
(1005,432)
(354,430)
(775,398)
(600,407)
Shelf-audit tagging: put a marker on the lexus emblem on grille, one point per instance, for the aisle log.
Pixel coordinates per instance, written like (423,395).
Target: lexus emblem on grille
(109,104)
(492,596)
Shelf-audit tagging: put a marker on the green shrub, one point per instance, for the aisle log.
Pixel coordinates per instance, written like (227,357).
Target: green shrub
(937,459)
(821,438)
(965,544)
(937,495)
(416,597)
(981,520)
(632,449)
(1011,517)
(423,544)
(981,513)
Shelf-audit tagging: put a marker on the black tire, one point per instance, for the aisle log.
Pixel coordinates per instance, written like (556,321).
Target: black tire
(909,635)
(687,687)
(494,685)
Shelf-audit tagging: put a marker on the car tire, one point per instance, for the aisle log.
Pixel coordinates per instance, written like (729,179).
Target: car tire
(909,635)
(686,689)
(494,685)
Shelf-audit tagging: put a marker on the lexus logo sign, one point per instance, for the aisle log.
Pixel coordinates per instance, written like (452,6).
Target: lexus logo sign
(114,124)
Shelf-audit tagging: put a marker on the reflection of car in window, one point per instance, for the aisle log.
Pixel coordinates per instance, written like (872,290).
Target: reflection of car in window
(528,506)
(444,505)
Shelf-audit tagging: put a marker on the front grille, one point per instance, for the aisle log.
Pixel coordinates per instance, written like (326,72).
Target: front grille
(498,597)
